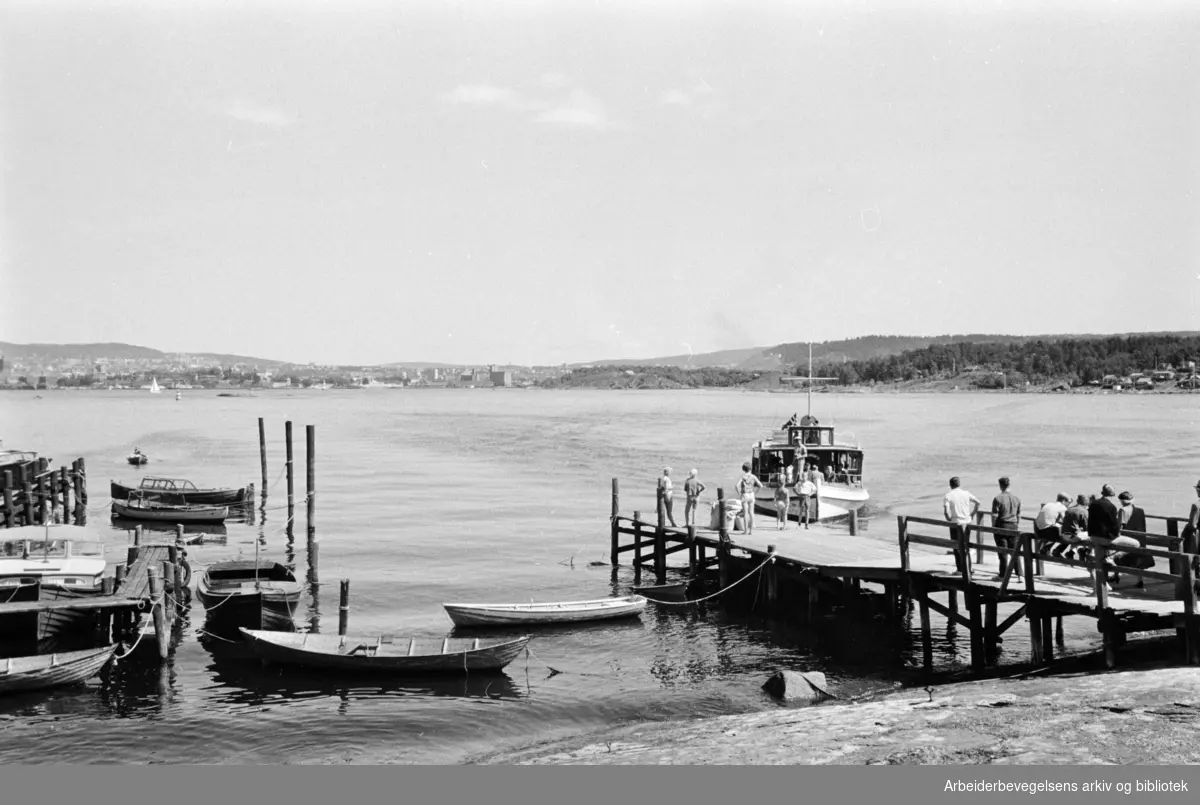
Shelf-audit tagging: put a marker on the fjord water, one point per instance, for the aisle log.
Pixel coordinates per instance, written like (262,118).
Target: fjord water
(426,496)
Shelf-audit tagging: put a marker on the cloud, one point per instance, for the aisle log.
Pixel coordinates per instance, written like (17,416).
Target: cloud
(555,80)
(580,111)
(686,97)
(485,95)
(248,111)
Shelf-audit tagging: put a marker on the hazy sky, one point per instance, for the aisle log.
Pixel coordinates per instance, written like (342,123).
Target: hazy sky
(566,181)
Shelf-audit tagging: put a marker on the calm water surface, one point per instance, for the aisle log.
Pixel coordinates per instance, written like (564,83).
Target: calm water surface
(441,495)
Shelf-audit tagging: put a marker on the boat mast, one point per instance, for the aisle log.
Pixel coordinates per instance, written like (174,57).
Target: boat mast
(810,378)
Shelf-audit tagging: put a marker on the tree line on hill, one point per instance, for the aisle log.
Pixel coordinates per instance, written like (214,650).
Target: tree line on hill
(1068,360)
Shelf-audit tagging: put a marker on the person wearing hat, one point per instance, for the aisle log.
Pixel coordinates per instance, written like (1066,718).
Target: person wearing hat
(692,489)
(1132,518)
(667,492)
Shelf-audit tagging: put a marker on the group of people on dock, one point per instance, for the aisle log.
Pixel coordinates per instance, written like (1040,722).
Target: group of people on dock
(1065,528)
(804,486)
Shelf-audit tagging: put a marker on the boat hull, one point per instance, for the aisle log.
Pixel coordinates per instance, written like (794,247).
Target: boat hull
(211,514)
(269,611)
(205,497)
(21,674)
(673,593)
(833,501)
(332,652)
(137,459)
(544,614)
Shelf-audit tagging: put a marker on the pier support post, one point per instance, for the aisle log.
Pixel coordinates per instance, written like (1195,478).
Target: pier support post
(1048,639)
(310,488)
(814,598)
(637,547)
(692,551)
(119,575)
(132,554)
(1037,645)
(771,579)
(853,522)
(45,507)
(28,490)
(80,492)
(172,592)
(989,625)
(722,531)
(262,452)
(344,607)
(10,516)
(616,512)
(978,659)
(926,631)
(1187,592)
(291,485)
(156,605)
(1058,631)
(660,541)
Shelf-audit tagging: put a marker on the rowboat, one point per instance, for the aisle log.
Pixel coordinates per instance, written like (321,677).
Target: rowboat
(676,591)
(533,613)
(137,457)
(181,491)
(260,594)
(141,508)
(19,674)
(384,653)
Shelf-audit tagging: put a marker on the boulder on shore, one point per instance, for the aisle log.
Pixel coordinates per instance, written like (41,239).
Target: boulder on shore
(791,686)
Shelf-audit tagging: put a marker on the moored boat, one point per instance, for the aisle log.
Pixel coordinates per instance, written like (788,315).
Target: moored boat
(258,594)
(67,557)
(137,507)
(671,593)
(41,671)
(384,653)
(545,613)
(181,491)
(801,445)
(137,457)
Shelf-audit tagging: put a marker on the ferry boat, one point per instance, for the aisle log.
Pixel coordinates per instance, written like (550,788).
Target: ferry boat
(799,445)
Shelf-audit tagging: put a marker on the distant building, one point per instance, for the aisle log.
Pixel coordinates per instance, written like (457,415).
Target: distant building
(501,379)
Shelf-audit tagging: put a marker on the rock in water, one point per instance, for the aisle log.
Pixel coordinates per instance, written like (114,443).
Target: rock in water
(809,687)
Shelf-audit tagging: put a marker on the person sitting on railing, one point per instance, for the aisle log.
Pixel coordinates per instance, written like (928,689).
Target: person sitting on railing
(1074,525)
(1047,526)
(1132,518)
(1104,522)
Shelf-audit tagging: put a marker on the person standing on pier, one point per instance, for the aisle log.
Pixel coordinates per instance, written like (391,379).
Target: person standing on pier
(691,489)
(667,490)
(783,502)
(746,486)
(959,505)
(805,491)
(1006,513)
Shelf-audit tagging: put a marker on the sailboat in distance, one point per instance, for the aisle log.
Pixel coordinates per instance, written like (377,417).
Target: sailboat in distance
(154,388)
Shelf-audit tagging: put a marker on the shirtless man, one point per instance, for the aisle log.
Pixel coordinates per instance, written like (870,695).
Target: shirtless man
(746,486)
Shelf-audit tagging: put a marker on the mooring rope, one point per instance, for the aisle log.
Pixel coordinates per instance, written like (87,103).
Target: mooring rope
(141,634)
(770,558)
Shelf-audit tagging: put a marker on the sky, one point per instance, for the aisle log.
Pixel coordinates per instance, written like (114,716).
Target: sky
(535,183)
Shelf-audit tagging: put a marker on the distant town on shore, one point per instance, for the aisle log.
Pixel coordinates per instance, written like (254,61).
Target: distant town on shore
(1130,362)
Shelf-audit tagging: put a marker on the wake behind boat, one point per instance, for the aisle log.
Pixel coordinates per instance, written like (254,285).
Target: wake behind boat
(547,613)
(384,653)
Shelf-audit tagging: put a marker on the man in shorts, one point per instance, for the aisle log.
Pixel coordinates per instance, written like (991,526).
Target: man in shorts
(746,486)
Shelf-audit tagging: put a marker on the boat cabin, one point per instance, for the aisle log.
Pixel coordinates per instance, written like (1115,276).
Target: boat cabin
(807,446)
(153,484)
(75,564)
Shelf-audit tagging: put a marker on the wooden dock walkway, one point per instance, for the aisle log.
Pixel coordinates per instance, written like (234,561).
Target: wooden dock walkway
(932,556)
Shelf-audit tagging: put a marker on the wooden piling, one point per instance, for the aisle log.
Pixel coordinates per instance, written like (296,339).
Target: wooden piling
(952,603)
(10,516)
(310,478)
(291,487)
(978,659)
(853,522)
(1058,630)
(156,603)
(28,490)
(1048,639)
(614,555)
(107,585)
(989,624)
(1036,643)
(80,492)
(43,504)
(344,607)
(722,531)
(637,546)
(119,574)
(169,586)
(771,579)
(926,631)
(65,476)
(660,541)
(1187,592)
(262,452)
(814,599)
(693,551)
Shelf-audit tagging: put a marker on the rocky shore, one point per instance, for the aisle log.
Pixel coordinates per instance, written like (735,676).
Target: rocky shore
(1148,716)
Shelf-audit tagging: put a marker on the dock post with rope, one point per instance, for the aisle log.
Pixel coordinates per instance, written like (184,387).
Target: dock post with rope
(291,488)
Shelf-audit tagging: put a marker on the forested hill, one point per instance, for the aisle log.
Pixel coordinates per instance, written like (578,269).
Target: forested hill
(1076,361)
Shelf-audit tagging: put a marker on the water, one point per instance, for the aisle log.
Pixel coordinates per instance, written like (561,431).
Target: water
(427,496)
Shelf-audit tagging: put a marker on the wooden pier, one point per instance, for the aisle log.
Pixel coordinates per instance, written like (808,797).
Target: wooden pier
(831,564)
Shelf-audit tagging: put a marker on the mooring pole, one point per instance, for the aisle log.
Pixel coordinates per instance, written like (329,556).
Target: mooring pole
(291,488)
(156,604)
(615,535)
(310,479)
(660,541)
(637,547)
(80,492)
(10,516)
(262,452)
(344,607)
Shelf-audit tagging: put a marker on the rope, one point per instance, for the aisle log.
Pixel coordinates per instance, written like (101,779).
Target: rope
(206,633)
(770,558)
(141,634)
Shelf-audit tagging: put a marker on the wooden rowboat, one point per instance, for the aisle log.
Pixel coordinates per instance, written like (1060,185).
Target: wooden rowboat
(136,508)
(384,654)
(676,591)
(20,674)
(181,491)
(260,594)
(548,613)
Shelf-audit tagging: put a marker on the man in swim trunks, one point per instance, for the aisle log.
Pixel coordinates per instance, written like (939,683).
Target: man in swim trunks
(746,486)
